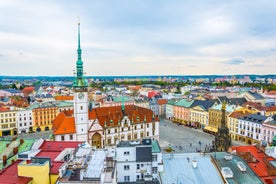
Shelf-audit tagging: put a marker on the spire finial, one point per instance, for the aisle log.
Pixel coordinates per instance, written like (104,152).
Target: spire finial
(79,47)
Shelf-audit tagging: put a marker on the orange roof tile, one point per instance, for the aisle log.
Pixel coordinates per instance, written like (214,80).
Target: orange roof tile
(2,109)
(238,114)
(252,104)
(162,101)
(61,98)
(256,160)
(64,123)
(112,115)
(30,88)
(271,92)
(269,109)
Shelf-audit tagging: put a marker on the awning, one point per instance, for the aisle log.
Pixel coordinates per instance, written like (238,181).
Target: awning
(211,129)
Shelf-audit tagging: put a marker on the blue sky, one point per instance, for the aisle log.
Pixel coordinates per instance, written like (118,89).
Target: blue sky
(138,37)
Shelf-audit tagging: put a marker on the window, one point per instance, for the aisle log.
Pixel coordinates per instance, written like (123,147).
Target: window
(137,177)
(126,178)
(109,141)
(62,137)
(154,157)
(138,166)
(81,107)
(126,153)
(147,134)
(154,170)
(126,167)
(71,137)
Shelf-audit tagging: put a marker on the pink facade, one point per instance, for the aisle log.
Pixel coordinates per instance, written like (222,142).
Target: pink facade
(268,132)
(181,113)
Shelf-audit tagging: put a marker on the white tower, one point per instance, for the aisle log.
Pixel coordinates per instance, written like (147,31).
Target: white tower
(80,98)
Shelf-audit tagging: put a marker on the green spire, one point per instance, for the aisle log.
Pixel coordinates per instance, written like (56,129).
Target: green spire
(79,47)
(123,104)
(79,81)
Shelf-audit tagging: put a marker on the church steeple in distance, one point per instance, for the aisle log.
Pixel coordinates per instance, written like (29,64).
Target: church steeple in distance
(79,82)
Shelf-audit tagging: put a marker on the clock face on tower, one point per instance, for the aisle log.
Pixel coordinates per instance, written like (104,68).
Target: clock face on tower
(81,95)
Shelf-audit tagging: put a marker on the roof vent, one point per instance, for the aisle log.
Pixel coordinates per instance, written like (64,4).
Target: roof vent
(241,166)
(228,157)
(227,172)
(194,163)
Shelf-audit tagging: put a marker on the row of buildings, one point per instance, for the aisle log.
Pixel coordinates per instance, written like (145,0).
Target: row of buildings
(139,161)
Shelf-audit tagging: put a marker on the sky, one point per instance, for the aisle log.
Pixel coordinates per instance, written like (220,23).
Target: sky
(138,37)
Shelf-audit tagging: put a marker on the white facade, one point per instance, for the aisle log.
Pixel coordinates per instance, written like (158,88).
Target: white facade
(66,137)
(268,131)
(24,120)
(249,129)
(81,115)
(169,111)
(130,168)
(125,132)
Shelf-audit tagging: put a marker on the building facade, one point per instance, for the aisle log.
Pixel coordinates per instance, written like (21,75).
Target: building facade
(24,119)
(139,161)
(249,128)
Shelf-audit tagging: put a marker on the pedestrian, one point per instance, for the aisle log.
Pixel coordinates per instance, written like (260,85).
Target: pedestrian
(190,144)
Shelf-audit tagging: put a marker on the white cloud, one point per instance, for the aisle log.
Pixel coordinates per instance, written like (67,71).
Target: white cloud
(142,37)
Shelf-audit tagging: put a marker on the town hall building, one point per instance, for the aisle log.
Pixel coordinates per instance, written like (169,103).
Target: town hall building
(104,126)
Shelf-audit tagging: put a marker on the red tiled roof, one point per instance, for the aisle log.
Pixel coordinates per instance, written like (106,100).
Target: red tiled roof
(272,108)
(112,115)
(162,101)
(30,88)
(64,123)
(55,167)
(58,145)
(238,114)
(258,166)
(51,154)
(3,109)
(10,175)
(152,93)
(252,104)
(271,92)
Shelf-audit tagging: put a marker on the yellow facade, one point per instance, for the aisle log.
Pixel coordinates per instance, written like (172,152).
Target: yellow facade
(199,115)
(214,119)
(39,172)
(232,124)
(8,123)
(54,178)
(43,117)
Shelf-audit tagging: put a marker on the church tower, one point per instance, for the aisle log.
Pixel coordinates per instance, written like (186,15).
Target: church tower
(80,98)
(223,139)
